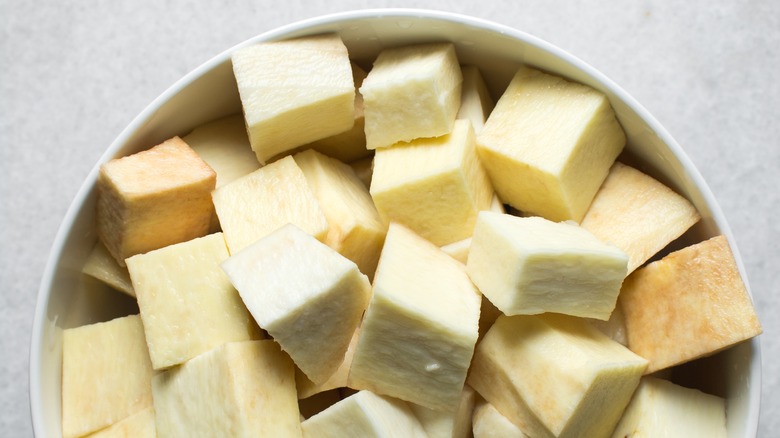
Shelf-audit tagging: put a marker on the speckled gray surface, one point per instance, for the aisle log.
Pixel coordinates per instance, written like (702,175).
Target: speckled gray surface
(73,74)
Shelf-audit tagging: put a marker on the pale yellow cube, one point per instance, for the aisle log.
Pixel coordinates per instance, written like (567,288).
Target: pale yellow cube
(257,204)
(307,296)
(531,265)
(294,92)
(106,375)
(138,425)
(548,145)
(434,186)
(411,92)
(102,266)
(153,199)
(555,375)
(365,415)
(476,103)
(355,229)
(637,214)
(661,408)
(223,145)
(187,303)
(691,303)
(240,389)
(418,334)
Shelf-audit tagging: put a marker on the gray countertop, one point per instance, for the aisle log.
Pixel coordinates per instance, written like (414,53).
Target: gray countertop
(74,74)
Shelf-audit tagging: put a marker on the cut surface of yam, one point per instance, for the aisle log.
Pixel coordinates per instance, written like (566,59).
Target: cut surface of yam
(664,409)
(411,92)
(294,92)
(106,375)
(487,422)
(555,375)
(102,266)
(548,145)
(532,265)
(153,199)
(365,415)
(339,379)
(434,186)
(475,100)
(138,425)
(257,204)
(691,303)
(637,214)
(240,389)
(307,296)
(187,303)
(355,228)
(418,334)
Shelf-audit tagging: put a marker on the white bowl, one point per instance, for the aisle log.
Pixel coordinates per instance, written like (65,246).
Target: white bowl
(68,299)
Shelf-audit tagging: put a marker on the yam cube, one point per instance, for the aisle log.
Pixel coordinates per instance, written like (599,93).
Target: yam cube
(102,266)
(355,229)
(661,408)
(475,100)
(223,144)
(306,388)
(434,186)
(139,425)
(455,424)
(460,250)
(411,92)
(367,415)
(531,265)
(307,296)
(489,423)
(187,303)
(691,303)
(555,375)
(106,375)
(548,145)
(153,199)
(349,145)
(418,334)
(637,214)
(240,389)
(294,92)
(257,204)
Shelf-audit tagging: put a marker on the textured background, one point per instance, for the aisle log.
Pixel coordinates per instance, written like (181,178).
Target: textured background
(73,74)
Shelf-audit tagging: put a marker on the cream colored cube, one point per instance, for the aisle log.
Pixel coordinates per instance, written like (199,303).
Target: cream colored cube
(223,145)
(418,334)
(355,229)
(434,186)
(138,425)
(102,266)
(411,92)
(661,408)
(257,204)
(637,214)
(294,92)
(691,303)
(240,389)
(475,100)
(441,424)
(153,199)
(187,303)
(106,375)
(304,294)
(555,375)
(349,145)
(532,265)
(548,145)
(489,423)
(365,415)
(306,388)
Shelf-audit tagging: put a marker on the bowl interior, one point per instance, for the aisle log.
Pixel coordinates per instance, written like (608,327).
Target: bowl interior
(69,299)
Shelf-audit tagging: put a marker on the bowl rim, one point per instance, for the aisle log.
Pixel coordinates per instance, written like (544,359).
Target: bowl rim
(56,251)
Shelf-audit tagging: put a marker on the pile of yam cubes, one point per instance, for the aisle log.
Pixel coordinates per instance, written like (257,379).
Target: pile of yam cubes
(386,252)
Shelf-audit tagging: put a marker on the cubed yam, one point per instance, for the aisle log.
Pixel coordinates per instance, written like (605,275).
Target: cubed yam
(153,199)
(102,266)
(548,145)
